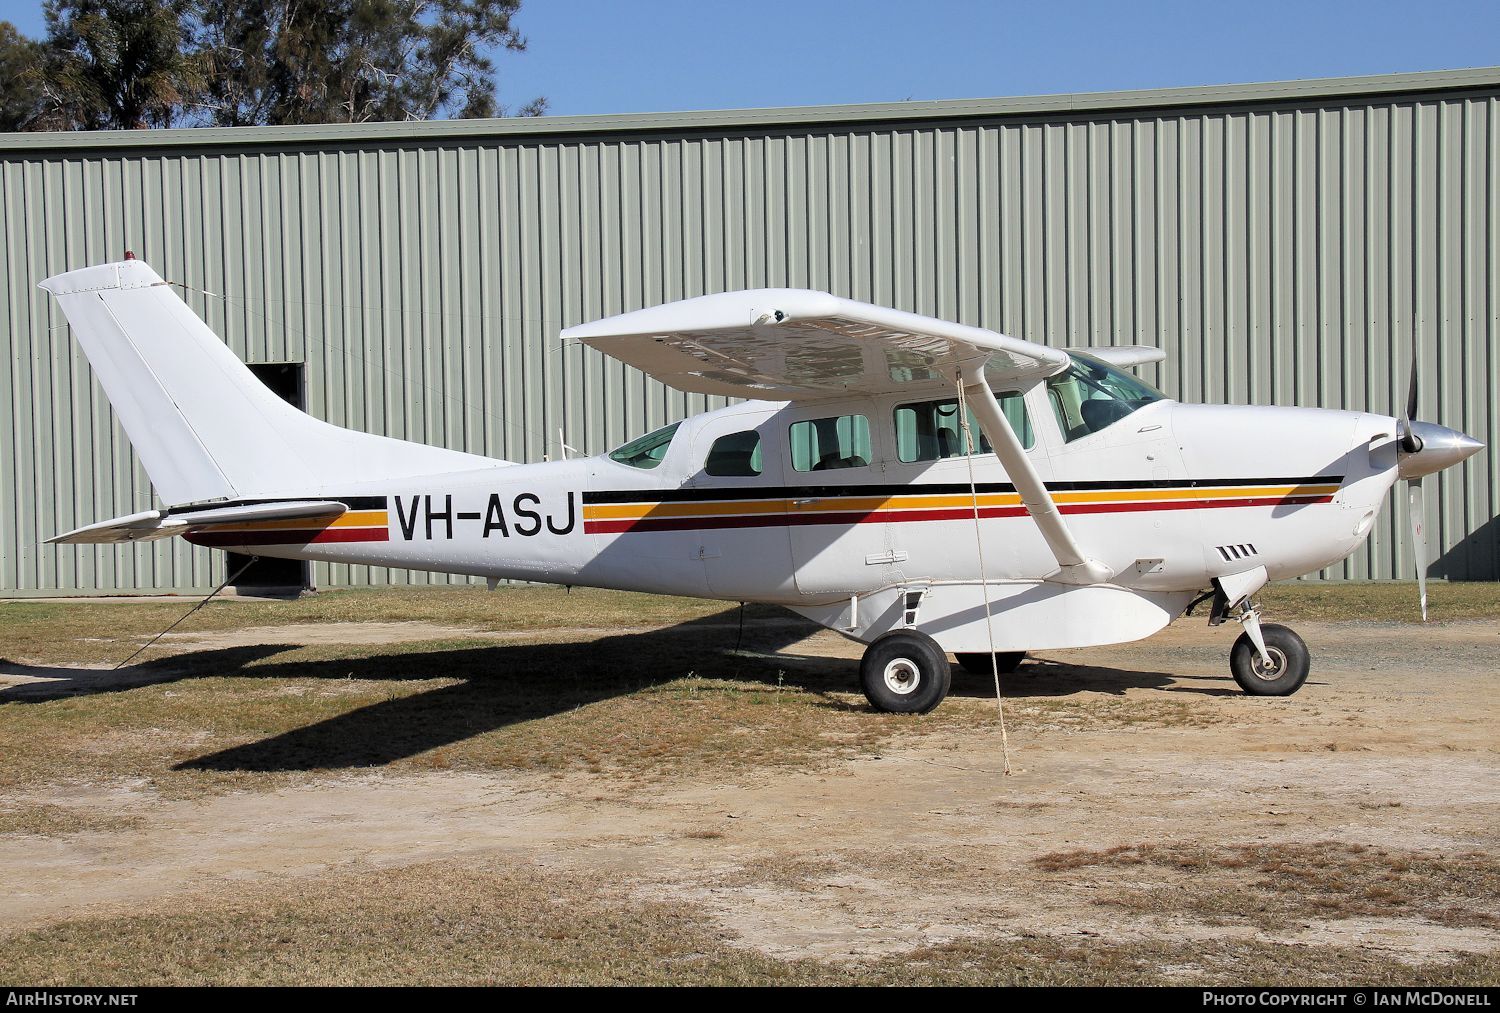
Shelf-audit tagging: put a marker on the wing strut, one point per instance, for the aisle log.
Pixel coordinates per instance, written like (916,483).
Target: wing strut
(1075,566)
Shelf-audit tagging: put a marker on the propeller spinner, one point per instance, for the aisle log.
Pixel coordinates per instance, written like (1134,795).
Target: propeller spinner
(1424,448)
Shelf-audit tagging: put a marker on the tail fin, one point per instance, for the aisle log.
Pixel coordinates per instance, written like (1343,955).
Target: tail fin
(204,427)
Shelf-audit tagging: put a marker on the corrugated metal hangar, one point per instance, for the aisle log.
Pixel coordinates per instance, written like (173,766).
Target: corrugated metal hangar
(1285,243)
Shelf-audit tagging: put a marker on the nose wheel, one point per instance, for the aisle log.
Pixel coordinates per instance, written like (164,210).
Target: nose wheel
(905,672)
(1279,671)
(1267,659)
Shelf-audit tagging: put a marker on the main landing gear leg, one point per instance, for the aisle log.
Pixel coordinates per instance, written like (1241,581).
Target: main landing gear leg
(1267,659)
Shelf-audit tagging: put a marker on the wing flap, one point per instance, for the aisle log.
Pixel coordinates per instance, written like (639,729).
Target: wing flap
(794,344)
(149,525)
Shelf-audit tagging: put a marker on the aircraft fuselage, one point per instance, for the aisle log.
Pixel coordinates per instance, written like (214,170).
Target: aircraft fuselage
(1169,496)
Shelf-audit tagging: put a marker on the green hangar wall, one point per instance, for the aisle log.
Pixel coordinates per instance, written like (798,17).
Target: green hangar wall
(1285,243)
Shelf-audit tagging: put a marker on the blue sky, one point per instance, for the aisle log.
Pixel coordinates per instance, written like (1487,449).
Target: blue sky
(590,56)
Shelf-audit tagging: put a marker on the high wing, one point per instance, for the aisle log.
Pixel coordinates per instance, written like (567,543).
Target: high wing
(793,345)
(784,344)
(150,525)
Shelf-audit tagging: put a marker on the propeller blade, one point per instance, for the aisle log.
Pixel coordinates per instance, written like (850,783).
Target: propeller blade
(1417,503)
(1411,388)
(1410,442)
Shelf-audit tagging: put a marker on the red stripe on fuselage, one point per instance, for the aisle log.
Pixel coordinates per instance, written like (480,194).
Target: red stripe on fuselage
(310,536)
(896,515)
(1201,504)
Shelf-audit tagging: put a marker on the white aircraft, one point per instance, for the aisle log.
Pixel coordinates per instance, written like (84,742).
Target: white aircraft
(1093,509)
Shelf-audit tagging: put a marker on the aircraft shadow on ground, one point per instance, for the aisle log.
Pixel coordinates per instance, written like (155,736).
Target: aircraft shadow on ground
(1045,678)
(500,685)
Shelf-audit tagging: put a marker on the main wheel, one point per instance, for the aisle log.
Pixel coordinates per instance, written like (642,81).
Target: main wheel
(905,672)
(979,663)
(1288,668)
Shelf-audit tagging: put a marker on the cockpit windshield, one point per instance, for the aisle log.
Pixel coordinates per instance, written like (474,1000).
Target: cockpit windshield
(1093,395)
(648,450)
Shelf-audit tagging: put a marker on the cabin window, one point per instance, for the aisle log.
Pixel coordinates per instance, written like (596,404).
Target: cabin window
(930,431)
(828,444)
(648,451)
(1093,395)
(735,455)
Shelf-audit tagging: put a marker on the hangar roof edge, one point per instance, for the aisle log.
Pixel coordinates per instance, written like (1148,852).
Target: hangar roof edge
(519,128)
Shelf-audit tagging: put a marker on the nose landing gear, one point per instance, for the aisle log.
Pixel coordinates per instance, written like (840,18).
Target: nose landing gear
(1278,670)
(1267,659)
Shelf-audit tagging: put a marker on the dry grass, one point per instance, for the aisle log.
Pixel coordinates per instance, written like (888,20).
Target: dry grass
(635,707)
(655,694)
(647,706)
(632,705)
(45,819)
(1386,601)
(213,720)
(437,924)
(454,923)
(1273,885)
(108,632)
(1089,713)
(1215,962)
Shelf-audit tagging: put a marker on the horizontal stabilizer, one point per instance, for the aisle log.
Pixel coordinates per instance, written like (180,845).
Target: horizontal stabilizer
(146,526)
(153,524)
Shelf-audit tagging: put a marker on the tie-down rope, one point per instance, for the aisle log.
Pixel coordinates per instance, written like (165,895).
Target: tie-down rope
(984,585)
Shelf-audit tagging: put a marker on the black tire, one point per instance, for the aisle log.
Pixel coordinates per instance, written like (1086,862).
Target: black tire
(979,663)
(905,672)
(1285,648)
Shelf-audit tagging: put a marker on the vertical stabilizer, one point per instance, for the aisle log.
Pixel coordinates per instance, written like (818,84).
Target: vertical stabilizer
(204,427)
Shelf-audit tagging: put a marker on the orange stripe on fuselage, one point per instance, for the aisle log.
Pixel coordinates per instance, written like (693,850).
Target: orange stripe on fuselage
(1167,498)
(352,519)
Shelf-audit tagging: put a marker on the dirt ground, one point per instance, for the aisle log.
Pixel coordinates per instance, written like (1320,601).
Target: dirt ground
(1186,818)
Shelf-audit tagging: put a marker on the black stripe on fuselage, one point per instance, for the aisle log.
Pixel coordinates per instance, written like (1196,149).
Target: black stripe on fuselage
(921,489)
(352,502)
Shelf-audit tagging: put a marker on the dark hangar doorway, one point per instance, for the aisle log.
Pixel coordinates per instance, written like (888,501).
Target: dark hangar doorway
(267,575)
